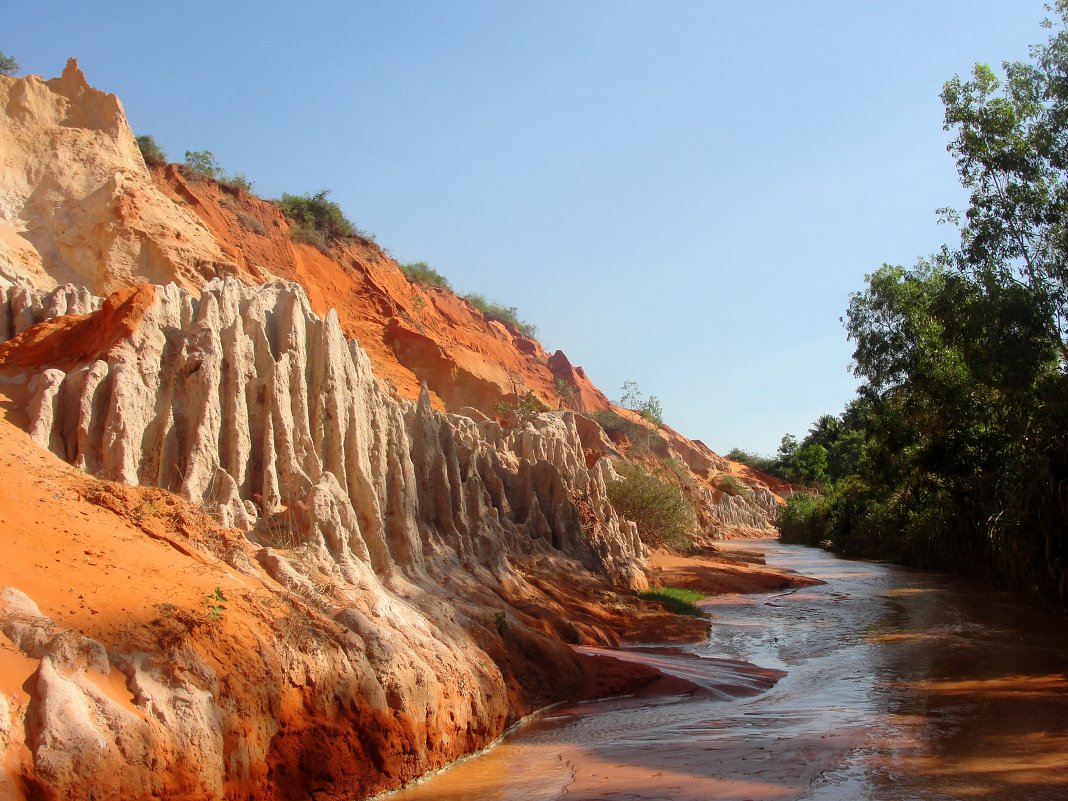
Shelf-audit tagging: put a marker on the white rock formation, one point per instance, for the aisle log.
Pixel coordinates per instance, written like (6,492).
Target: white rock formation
(247,402)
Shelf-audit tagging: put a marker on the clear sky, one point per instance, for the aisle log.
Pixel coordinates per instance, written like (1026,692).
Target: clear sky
(679,193)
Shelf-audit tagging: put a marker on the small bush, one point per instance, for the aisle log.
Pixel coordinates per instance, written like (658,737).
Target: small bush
(509,315)
(765,464)
(616,427)
(649,408)
(525,410)
(662,513)
(8,65)
(675,599)
(313,215)
(729,485)
(202,164)
(500,622)
(252,224)
(236,183)
(309,236)
(421,273)
(567,392)
(151,152)
(214,604)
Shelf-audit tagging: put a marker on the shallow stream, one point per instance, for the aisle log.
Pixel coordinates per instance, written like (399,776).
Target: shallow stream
(895,685)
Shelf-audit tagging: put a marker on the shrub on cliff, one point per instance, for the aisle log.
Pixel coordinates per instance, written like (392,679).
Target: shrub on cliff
(151,152)
(649,408)
(662,513)
(509,315)
(8,65)
(421,273)
(202,164)
(525,409)
(316,220)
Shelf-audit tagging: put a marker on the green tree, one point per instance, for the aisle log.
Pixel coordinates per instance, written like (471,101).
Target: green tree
(203,163)
(650,408)
(8,65)
(955,454)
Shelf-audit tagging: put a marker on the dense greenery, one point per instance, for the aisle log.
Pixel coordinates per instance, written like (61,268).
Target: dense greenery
(829,449)
(676,599)
(509,315)
(8,65)
(955,453)
(661,511)
(316,220)
(151,152)
(421,273)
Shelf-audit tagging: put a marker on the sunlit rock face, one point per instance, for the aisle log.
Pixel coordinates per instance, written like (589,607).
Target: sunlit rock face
(77,202)
(246,401)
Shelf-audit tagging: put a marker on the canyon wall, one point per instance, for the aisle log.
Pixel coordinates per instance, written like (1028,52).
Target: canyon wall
(310,561)
(406,514)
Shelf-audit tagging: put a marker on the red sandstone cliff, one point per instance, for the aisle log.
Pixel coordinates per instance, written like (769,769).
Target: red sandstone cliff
(401,578)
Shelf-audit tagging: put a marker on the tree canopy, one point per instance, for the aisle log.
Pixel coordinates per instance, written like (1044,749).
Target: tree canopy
(955,453)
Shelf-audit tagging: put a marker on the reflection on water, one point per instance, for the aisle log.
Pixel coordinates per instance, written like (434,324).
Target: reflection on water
(896,685)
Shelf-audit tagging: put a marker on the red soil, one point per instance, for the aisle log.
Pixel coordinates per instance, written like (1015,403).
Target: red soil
(78,338)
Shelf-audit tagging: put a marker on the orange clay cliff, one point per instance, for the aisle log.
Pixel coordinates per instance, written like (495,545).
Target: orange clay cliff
(266,530)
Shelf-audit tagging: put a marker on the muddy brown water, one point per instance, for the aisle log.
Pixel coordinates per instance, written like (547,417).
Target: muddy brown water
(884,684)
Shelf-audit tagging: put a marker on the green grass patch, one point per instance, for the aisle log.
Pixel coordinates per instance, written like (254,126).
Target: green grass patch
(675,599)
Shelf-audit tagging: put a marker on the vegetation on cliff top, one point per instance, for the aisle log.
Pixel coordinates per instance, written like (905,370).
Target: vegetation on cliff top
(202,164)
(955,453)
(8,65)
(419,272)
(151,152)
(316,220)
(504,314)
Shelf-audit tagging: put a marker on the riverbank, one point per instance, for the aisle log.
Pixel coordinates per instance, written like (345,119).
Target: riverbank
(893,684)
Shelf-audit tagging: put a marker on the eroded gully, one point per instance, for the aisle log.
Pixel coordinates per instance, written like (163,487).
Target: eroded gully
(883,683)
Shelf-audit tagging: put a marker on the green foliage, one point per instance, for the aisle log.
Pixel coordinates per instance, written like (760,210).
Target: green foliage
(214,604)
(423,274)
(202,164)
(662,513)
(618,427)
(765,464)
(955,453)
(730,485)
(236,183)
(566,391)
(151,152)
(675,599)
(525,409)
(509,315)
(8,65)
(316,220)
(649,408)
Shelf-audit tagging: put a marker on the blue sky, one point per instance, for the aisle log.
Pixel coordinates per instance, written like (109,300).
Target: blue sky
(678,193)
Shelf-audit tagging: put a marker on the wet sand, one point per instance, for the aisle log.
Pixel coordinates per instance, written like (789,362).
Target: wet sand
(882,684)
